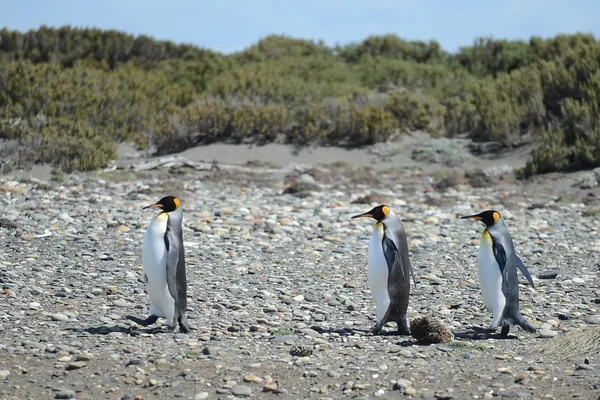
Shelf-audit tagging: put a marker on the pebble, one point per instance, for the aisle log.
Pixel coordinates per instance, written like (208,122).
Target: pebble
(201,396)
(241,390)
(551,274)
(59,317)
(547,333)
(65,394)
(402,384)
(76,365)
(271,274)
(252,378)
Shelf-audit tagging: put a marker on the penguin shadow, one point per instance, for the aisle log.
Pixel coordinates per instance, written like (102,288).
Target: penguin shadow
(367,332)
(482,333)
(131,331)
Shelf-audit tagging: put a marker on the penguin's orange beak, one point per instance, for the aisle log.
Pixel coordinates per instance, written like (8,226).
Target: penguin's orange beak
(365,215)
(156,205)
(477,217)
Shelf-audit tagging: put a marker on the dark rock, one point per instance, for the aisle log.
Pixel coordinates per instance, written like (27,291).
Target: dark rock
(300,351)
(550,274)
(65,394)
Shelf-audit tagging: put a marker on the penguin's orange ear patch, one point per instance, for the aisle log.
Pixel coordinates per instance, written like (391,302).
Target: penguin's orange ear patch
(177,202)
(496,216)
(386,210)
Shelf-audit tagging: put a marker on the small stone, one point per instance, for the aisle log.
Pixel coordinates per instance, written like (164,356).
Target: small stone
(521,378)
(241,390)
(59,317)
(112,290)
(76,365)
(550,274)
(410,391)
(65,394)
(201,396)
(121,303)
(592,320)
(270,387)
(252,378)
(405,353)
(122,228)
(402,384)
(547,333)
(503,370)
(585,367)
(4,373)
(83,357)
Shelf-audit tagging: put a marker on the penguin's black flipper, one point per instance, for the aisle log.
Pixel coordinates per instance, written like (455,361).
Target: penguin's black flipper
(524,270)
(412,273)
(143,322)
(176,279)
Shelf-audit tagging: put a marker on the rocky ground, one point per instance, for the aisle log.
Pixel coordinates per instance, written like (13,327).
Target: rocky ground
(278,296)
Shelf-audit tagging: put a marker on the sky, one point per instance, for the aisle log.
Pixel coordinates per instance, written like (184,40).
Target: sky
(229,26)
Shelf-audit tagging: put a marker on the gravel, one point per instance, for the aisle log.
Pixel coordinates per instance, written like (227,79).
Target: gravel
(278,296)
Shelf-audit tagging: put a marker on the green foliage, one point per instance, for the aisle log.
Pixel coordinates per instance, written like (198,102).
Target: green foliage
(551,156)
(415,111)
(69,95)
(70,145)
(391,46)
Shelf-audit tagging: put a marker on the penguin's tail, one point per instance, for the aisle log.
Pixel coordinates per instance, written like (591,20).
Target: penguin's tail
(522,322)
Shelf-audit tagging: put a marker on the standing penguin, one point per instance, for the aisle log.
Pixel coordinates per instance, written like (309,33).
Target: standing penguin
(497,264)
(163,259)
(389,268)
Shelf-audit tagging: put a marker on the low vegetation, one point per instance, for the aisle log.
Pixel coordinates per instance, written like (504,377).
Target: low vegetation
(68,96)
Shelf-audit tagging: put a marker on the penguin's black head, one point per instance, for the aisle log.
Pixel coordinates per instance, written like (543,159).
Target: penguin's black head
(488,217)
(167,204)
(378,213)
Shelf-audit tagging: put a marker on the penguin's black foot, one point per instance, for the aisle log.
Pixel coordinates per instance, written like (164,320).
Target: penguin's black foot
(504,331)
(376,329)
(483,329)
(183,325)
(403,326)
(143,322)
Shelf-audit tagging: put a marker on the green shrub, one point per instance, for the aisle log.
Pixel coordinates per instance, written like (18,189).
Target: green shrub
(115,87)
(415,111)
(553,155)
(63,143)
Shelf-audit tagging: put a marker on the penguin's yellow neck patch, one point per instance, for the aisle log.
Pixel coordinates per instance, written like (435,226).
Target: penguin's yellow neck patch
(379,227)
(177,202)
(486,238)
(386,210)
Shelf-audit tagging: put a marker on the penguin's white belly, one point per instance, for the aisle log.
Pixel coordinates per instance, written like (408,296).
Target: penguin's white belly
(378,272)
(490,279)
(154,261)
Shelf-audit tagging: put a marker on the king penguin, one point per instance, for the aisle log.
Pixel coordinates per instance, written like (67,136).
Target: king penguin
(389,268)
(497,264)
(163,260)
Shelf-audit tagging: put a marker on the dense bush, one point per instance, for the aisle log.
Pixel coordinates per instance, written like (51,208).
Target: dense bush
(69,95)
